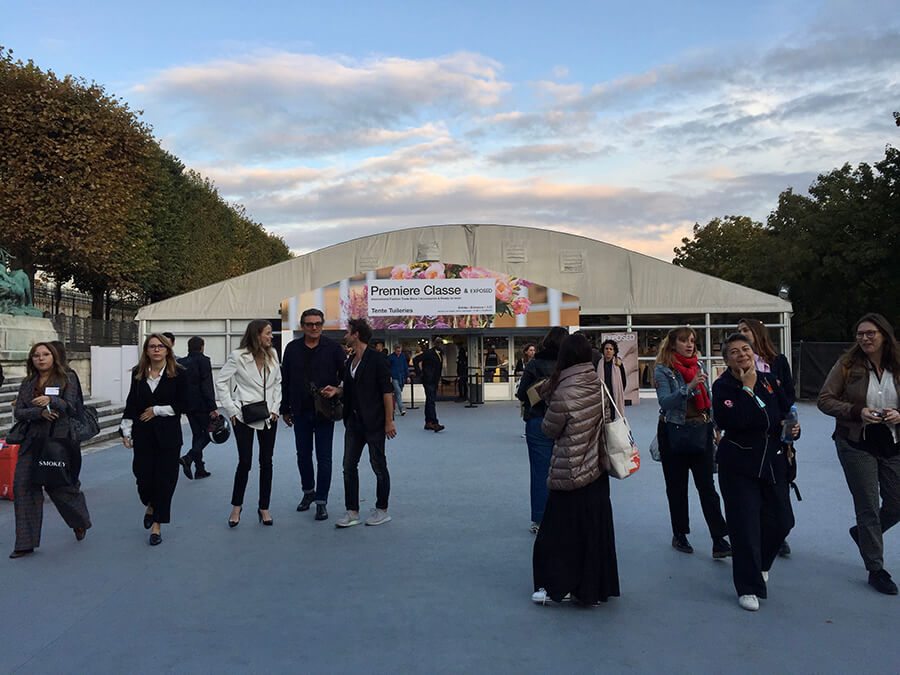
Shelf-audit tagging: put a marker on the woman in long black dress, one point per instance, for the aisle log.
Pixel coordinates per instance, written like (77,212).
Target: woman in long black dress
(575,550)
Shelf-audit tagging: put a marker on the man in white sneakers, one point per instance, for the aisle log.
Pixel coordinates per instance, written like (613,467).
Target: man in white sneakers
(368,420)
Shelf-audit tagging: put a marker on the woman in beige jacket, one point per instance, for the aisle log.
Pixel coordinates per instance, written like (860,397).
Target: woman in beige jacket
(575,550)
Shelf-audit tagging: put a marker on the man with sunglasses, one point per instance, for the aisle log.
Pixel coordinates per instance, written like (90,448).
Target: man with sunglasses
(317,359)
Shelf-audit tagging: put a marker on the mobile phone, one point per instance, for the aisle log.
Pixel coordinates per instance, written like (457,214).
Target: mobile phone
(876,413)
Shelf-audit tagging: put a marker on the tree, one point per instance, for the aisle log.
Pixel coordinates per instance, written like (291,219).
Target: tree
(72,162)
(836,248)
(731,248)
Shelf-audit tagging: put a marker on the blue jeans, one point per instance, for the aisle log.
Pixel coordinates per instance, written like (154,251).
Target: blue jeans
(398,393)
(307,425)
(430,398)
(539,450)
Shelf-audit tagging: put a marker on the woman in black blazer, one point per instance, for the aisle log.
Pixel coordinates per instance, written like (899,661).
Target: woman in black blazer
(151,425)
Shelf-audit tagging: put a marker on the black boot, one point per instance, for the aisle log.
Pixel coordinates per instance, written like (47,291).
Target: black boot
(321,512)
(306,502)
(681,543)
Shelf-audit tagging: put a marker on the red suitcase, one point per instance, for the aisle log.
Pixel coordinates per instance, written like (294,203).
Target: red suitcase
(8,456)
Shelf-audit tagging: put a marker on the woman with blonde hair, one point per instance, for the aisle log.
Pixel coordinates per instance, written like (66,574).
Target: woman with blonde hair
(861,393)
(151,426)
(249,388)
(685,434)
(46,400)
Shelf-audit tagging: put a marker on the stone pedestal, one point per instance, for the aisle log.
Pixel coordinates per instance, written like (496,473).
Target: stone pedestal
(17,335)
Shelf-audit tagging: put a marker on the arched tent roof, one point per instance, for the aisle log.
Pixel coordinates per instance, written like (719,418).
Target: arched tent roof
(606,278)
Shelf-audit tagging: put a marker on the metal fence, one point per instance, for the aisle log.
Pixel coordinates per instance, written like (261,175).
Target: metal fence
(79,333)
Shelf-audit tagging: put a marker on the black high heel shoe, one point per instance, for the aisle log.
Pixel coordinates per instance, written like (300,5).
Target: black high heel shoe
(270,521)
(234,523)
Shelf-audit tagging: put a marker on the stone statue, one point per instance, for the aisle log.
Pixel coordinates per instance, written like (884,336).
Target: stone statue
(15,290)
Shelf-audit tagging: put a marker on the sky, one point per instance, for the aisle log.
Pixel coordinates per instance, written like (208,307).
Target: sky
(623,122)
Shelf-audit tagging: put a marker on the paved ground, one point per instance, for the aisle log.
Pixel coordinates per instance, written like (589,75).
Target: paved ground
(445,587)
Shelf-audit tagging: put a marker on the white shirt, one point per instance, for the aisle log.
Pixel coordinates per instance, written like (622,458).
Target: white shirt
(882,394)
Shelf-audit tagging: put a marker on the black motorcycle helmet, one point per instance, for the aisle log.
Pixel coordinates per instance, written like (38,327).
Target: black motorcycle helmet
(219,429)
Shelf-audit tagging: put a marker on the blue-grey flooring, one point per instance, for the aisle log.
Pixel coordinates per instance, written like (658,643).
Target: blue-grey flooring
(445,587)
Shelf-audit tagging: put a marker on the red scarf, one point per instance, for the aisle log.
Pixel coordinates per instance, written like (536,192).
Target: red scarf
(688,368)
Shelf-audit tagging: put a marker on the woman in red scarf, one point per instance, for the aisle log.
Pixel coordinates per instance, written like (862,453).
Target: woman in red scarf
(686,438)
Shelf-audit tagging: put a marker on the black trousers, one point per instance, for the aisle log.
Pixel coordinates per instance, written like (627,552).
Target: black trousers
(676,466)
(355,438)
(199,422)
(156,469)
(759,519)
(243,436)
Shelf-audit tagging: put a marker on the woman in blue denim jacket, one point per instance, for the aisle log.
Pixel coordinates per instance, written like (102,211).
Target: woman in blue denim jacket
(686,439)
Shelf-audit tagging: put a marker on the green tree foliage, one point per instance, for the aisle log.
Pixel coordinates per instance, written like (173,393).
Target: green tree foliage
(87,194)
(836,248)
(730,248)
(71,172)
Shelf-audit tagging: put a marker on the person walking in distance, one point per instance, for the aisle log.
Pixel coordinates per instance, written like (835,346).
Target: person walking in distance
(312,360)
(200,406)
(399,376)
(368,420)
(428,366)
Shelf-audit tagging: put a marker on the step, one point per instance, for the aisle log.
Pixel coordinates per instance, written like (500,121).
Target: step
(104,407)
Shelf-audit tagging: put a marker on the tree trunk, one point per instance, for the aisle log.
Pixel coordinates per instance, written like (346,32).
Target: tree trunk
(57,297)
(98,296)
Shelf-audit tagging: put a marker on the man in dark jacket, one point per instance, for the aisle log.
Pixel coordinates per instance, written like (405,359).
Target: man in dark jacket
(428,366)
(201,405)
(368,420)
(318,361)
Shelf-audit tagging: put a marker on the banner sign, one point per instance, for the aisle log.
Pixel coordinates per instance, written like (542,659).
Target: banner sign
(431,297)
(628,353)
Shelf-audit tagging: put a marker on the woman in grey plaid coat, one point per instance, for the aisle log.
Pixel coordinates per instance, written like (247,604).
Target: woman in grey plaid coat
(46,399)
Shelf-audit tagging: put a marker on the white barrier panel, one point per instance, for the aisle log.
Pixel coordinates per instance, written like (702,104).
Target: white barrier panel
(111,371)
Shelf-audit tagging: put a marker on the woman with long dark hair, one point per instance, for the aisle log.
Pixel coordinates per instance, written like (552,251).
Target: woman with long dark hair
(575,550)
(769,360)
(151,426)
(685,434)
(539,368)
(46,400)
(753,471)
(861,393)
(250,384)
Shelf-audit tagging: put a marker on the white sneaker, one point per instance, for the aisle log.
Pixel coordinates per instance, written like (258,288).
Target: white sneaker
(749,602)
(347,520)
(765,575)
(541,597)
(402,413)
(379,517)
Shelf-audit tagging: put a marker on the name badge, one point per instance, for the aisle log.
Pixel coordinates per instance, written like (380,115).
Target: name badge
(51,391)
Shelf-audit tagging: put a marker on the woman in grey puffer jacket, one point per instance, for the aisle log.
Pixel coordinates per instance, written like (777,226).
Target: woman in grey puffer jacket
(575,550)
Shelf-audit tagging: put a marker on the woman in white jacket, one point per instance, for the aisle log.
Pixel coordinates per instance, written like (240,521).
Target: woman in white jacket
(249,388)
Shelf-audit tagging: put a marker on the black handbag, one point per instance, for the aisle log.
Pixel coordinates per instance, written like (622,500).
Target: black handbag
(258,410)
(688,437)
(86,425)
(16,434)
(51,461)
(331,409)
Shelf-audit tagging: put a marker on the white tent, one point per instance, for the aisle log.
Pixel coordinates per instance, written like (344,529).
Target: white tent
(607,279)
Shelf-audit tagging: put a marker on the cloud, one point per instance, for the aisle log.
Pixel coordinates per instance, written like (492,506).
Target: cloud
(549,153)
(277,104)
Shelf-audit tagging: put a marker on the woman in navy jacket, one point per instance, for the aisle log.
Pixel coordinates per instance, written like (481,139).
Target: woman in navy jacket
(749,409)
(151,425)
